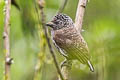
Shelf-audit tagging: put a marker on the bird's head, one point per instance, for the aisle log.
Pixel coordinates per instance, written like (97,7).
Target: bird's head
(60,21)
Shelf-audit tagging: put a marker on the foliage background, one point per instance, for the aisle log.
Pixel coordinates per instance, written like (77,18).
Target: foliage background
(101,25)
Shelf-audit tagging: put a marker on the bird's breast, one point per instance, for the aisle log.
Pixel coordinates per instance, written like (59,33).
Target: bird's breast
(66,36)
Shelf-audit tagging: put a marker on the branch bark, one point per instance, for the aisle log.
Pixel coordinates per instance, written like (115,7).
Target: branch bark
(80,14)
(65,69)
(6,36)
(65,72)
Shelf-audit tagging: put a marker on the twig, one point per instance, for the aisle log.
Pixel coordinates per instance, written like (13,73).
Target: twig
(41,55)
(66,67)
(80,14)
(65,72)
(6,39)
(41,6)
(62,6)
(50,47)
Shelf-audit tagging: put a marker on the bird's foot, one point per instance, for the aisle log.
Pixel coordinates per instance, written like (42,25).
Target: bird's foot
(67,63)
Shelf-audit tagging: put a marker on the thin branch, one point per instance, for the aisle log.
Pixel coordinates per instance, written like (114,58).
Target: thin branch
(65,72)
(62,6)
(6,36)
(66,67)
(41,55)
(41,6)
(80,14)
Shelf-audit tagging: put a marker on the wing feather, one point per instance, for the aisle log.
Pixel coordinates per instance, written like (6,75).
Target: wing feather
(77,52)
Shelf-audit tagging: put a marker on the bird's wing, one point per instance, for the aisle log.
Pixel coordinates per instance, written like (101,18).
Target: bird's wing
(78,52)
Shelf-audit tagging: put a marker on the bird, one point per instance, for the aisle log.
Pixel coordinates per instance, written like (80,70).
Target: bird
(69,40)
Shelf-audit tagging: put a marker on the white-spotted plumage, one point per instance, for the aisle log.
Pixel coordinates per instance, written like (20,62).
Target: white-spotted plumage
(68,40)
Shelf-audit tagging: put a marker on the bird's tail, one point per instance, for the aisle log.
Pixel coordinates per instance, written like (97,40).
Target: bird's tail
(90,66)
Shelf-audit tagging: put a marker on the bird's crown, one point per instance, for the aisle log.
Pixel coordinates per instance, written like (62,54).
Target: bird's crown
(60,21)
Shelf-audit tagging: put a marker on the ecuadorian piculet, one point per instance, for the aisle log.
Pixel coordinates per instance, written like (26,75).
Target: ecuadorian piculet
(68,40)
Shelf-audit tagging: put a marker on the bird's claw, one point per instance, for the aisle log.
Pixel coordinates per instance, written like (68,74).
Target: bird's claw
(67,63)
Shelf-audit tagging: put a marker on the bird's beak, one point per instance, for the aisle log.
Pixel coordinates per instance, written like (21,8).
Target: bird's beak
(50,24)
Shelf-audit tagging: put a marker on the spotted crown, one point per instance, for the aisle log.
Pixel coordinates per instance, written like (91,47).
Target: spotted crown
(61,21)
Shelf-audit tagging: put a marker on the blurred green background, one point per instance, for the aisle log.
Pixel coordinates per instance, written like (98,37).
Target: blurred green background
(31,54)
